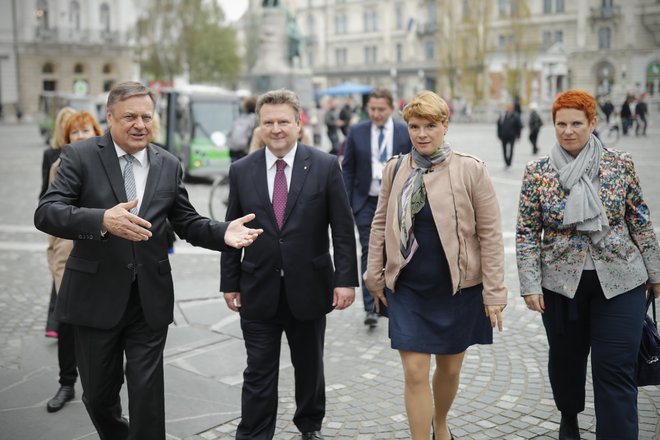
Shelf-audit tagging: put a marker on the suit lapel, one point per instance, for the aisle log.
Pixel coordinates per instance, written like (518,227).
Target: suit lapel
(259,177)
(155,168)
(110,162)
(301,165)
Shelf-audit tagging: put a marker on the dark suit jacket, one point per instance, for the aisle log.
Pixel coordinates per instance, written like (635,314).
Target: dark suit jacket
(50,156)
(356,167)
(100,270)
(316,200)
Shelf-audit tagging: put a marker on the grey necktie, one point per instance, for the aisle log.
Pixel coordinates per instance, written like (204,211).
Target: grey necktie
(129,181)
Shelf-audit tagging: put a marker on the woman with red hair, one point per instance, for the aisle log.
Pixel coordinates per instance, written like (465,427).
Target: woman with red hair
(587,255)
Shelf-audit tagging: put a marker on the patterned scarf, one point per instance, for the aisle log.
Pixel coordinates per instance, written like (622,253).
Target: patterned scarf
(577,176)
(413,198)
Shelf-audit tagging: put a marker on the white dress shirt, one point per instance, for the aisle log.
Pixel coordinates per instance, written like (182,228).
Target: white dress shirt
(376,165)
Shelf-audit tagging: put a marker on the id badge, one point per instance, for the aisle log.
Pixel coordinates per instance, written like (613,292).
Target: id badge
(377,170)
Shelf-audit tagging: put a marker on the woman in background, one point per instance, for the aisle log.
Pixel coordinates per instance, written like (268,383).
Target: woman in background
(51,154)
(79,126)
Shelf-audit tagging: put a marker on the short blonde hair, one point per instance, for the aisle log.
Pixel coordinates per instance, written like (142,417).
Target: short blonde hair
(57,140)
(427,105)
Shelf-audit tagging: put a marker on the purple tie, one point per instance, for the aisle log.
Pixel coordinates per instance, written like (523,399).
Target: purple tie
(279,192)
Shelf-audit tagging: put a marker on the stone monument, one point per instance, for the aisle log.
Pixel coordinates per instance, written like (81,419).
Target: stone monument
(281,47)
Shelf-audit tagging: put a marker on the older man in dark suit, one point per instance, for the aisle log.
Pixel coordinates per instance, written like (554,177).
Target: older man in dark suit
(113,195)
(287,282)
(368,146)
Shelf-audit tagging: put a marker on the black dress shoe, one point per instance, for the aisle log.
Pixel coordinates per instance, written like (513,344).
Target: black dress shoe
(371,319)
(568,428)
(63,395)
(313,435)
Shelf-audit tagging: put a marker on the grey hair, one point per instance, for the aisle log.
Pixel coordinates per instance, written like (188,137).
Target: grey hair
(280,96)
(125,90)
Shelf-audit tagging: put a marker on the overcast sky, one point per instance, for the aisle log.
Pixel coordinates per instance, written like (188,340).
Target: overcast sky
(233,8)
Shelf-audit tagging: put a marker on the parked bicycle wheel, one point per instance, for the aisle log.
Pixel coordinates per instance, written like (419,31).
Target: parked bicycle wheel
(218,198)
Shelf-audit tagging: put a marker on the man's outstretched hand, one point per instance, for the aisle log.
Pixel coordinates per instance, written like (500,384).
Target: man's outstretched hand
(238,235)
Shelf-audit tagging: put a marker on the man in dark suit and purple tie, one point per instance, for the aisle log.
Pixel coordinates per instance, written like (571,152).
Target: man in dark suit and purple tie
(288,280)
(368,146)
(113,195)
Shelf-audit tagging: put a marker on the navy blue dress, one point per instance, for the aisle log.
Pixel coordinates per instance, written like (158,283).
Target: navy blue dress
(424,316)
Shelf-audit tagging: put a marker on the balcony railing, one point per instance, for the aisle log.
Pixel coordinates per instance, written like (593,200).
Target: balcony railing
(80,36)
(605,12)
(427,28)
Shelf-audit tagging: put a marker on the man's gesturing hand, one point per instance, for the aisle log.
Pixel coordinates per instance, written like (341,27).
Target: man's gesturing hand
(119,221)
(240,236)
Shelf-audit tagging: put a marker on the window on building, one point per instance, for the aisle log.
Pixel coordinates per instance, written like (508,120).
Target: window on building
(502,7)
(547,6)
(340,56)
(370,20)
(429,50)
(560,6)
(48,68)
(105,17)
(501,42)
(340,24)
(432,12)
(398,14)
(108,68)
(42,14)
(547,38)
(79,68)
(559,36)
(399,52)
(604,37)
(108,84)
(311,25)
(370,54)
(49,85)
(607,4)
(74,15)
(466,9)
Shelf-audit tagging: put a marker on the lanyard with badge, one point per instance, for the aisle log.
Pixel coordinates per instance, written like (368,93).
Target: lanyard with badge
(377,166)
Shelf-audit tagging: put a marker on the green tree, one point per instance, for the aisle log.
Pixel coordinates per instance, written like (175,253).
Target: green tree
(187,37)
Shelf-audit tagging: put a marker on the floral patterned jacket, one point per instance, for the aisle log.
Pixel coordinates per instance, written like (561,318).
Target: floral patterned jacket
(553,257)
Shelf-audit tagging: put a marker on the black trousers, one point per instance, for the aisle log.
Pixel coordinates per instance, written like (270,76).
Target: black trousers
(533,136)
(100,356)
(66,354)
(507,149)
(51,324)
(260,378)
(363,220)
(611,329)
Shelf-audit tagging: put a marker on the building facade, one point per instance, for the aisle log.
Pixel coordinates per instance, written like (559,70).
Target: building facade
(68,46)
(486,51)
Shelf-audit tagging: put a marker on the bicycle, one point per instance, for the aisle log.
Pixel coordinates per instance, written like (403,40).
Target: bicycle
(608,134)
(218,197)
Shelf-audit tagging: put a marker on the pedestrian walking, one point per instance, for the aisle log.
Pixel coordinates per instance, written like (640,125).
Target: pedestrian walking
(641,110)
(333,124)
(587,254)
(287,282)
(535,124)
(241,132)
(79,126)
(436,214)
(509,127)
(369,145)
(51,155)
(112,196)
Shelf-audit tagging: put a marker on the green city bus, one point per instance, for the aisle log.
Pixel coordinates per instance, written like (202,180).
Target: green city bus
(195,121)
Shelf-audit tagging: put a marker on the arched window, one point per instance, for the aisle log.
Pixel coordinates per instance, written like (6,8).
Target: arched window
(108,68)
(74,15)
(105,17)
(42,14)
(604,37)
(48,68)
(79,68)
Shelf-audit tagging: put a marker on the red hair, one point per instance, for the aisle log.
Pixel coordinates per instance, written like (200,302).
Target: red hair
(578,100)
(79,120)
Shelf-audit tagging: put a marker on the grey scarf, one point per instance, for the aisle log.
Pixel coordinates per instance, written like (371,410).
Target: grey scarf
(583,209)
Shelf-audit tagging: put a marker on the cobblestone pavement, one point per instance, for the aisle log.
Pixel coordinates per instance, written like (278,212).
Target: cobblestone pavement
(504,391)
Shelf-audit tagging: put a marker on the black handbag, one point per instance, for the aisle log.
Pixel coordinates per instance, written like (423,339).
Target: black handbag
(648,361)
